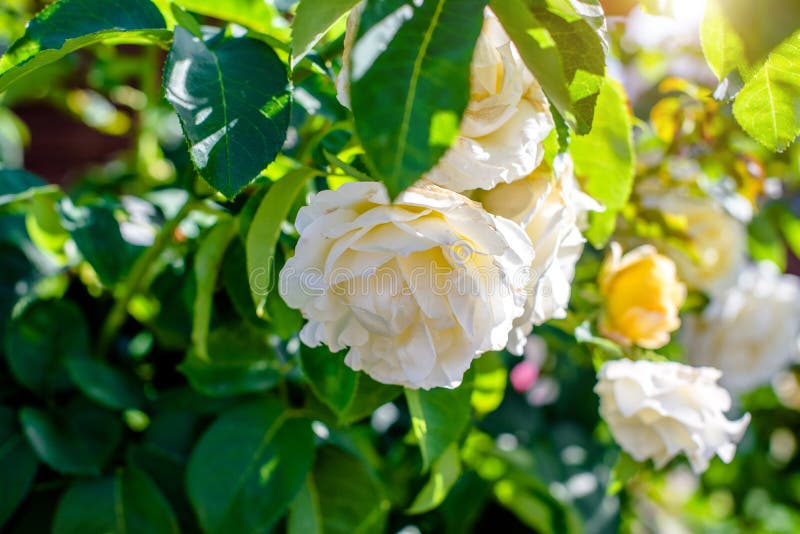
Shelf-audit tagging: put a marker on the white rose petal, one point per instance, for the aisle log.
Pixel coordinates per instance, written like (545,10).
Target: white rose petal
(552,208)
(658,410)
(416,289)
(751,331)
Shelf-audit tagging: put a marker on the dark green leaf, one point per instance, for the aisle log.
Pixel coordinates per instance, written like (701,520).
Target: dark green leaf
(78,441)
(239,360)
(438,417)
(64,26)
(762,25)
(340,497)
(266,456)
(18,465)
(562,50)
(16,182)
(403,54)
(330,379)
(604,158)
(232,97)
(129,501)
(265,229)
(105,384)
(41,339)
(312,20)
(97,234)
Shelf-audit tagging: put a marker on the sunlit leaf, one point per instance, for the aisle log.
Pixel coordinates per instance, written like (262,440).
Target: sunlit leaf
(232,97)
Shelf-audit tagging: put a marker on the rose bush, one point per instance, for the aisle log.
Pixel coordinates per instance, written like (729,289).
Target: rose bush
(271,266)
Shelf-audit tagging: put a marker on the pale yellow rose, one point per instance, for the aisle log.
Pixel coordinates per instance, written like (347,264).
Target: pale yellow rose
(642,297)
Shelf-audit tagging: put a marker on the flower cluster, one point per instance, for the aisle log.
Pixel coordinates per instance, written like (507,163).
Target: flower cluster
(415,289)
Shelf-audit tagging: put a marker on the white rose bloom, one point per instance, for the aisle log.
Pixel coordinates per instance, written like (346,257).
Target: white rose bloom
(751,331)
(416,288)
(506,120)
(718,239)
(551,208)
(657,410)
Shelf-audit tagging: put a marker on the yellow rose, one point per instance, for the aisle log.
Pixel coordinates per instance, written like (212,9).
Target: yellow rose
(642,297)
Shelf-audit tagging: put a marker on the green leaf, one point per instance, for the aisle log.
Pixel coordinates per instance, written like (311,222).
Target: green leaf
(444,474)
(207,264)
(768,106)
(41,339)
(604,158)
(256,14)
(340,497)
(97,235)
(16,183)
(232,97)
(369,396)
(239,360)
(489,386)
(764,240)
(77,442)
(105,384)
(562,50)
(438,417)
(623,471)
(265,229)
(403,53)
(266,456)
(312,20)
(722,47)
(330,379)
(129,501)
(18,464)
(64,26)
(762,25)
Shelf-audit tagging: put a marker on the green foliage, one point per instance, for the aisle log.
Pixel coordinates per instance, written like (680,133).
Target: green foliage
(17,462)
(313,19)
(562,50)
(232,97)
(40,341)
(766,107)
(265,466)
(438,417)
(341,496)
(128,501)
(604,152)
(329,378)
(62,28)
(423,45)
(264,231)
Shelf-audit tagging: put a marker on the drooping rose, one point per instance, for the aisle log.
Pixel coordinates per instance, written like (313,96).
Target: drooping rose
(642,296)
(506,120)
(717,240)
(751,331)
(551,207)
(415,289)
(658,410)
